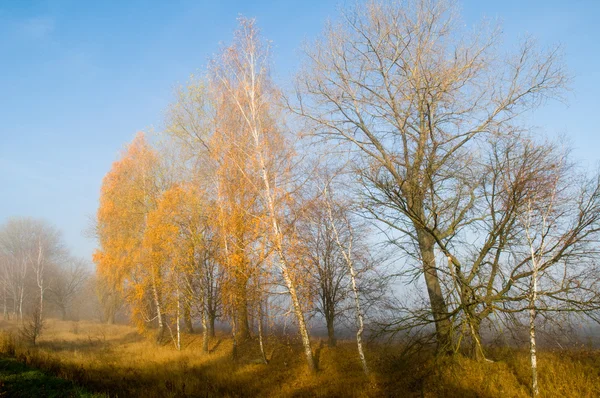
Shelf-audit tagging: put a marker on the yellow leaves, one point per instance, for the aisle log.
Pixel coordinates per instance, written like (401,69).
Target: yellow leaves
(127,196)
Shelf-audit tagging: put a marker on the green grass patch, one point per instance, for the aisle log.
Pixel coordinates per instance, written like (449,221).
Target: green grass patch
(19,380)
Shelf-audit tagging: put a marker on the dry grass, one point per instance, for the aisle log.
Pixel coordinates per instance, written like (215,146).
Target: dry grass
(117,361)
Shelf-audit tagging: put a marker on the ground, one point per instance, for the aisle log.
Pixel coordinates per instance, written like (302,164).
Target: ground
(85,358)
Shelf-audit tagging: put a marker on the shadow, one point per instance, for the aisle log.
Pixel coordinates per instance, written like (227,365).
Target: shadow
(214,348)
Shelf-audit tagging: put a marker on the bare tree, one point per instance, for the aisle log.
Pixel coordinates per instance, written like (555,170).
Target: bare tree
(33,327)
(412,94)
(66,282)
(31,244)
(347,249)
(324,263)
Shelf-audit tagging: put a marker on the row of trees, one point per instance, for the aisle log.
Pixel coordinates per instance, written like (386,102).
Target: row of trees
(219,222)
(400,119)
(37,269)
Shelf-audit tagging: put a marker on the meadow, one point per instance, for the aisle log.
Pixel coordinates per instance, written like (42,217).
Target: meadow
(92,359)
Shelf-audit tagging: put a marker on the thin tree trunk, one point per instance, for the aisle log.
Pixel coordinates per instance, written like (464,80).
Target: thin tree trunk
(243,331)
(187,318)
(234,336)
(161,325)
(532,315)
(40,278)
(260,333)
(359,318)
(347,253)
(21,303)
(211,324)
(210,313)
(4,292)
(178,321)
(205,330)
(277,234)
(301,321)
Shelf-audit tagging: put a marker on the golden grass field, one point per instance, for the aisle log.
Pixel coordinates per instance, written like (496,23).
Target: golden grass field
(116,361)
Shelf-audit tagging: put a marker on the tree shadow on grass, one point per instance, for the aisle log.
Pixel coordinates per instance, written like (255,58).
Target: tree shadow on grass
(19,380)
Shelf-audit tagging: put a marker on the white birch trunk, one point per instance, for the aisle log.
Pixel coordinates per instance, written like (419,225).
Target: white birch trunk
(161,326)
(204,328)
(40,277)
(178,321)
(349,263)
(532,315)
(260,333)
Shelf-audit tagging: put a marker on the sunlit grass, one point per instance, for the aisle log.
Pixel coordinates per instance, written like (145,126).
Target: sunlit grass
(116,360)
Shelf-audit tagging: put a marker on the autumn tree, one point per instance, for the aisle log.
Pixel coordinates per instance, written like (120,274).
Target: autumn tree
(129,193)
(242,73)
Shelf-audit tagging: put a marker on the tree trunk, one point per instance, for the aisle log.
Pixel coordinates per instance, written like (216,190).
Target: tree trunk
(475,330)
(533,353)
(210,313)
(63,312)
(359,318)
(110,316)
(4,314)
(21,303)
(211,323)
(234,337)
(178,320)
(330,329)
(159,315)
(260,334)
(187,317)
(243,327)
(532,315)
(205,331)
(439,308)
(301,321)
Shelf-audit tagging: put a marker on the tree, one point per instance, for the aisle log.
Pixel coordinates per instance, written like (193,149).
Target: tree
(109,297)
(347,246)
(66,282)
(413,95)
(129,193)
(242,73)
(30,244)
(324,263)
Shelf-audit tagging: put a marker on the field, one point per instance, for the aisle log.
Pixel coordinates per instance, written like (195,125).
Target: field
(91,359)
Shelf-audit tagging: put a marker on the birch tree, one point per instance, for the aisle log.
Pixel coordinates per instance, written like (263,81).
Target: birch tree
(242,72)
(129,193)
(346,247)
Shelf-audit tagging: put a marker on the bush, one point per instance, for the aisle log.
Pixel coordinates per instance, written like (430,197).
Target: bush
(32,327)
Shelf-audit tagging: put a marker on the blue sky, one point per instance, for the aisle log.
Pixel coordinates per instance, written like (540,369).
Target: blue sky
(78,79)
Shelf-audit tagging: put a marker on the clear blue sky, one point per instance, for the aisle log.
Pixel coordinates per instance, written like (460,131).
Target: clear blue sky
(79,78)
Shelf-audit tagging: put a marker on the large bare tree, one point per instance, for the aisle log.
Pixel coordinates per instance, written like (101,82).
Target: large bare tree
(412,94)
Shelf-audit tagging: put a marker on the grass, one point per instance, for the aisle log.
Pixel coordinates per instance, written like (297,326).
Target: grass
(19,380)
(117,362)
